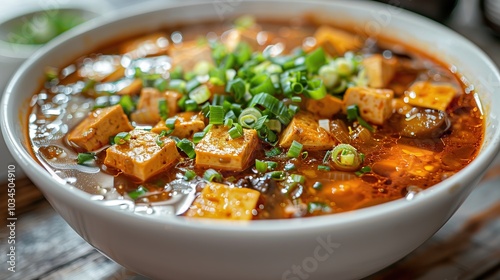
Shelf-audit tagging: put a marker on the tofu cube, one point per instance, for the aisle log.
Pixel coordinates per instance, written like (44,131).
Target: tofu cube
(336,41)
(129,86)
(430,95)
(189,54)
(148,45)
(379,70)
(148,110)
(94,132)
(253,36)
(142,157)
(218,150)
(325,107)
(186,124)
(219,201)
(304,128)
(375,105)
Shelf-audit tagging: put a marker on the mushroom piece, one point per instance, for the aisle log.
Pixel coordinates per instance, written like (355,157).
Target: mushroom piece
(424,123)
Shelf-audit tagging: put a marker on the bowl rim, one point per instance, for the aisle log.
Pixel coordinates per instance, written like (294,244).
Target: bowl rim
(24,51)
(477,166)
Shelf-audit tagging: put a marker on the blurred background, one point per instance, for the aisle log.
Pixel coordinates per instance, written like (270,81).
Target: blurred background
(49,249)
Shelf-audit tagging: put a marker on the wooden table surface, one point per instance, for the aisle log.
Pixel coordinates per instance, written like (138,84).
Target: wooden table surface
(467,247)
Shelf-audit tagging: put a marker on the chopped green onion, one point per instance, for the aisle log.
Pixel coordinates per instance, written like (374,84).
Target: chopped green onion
(326,158)
(261,83)
(211,175)
(216,115)
(364,124)
(228,122)
(313,207)
(316,89)
(273,152)
(346,158)
(200,94)
(328,74)
(127,104)
(218,75)
(317,185)
(304,154)
(323,167)
(296,99)
(85,157)
(363,170)
(295,149)
(237,87)
(344,67)
(261,166)
(272,104)
(290,167)
(163,109)
(189,175)
(236,131)
(277,175)
(298,178)
(158,140)
(187,147)
(199,135)
(190,105)
(352,112)
(271,165)
(248,117)
(138,192)
(314,60)
(260,122)
(176,73)
(176,84)
(170,122)
(274,125)
(243,52)
(122,138)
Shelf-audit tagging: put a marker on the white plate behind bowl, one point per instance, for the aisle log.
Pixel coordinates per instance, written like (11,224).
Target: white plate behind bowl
(365,240)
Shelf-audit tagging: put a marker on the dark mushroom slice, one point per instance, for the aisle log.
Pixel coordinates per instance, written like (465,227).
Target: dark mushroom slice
(424,123)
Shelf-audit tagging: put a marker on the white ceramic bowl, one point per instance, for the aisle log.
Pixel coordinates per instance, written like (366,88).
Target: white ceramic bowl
(342,246)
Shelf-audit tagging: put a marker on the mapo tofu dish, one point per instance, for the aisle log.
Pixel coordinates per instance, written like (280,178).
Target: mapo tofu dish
(249,120)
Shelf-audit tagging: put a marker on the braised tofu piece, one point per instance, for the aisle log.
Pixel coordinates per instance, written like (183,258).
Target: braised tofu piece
(375,105)
(129,86)
(94,132)
(186,124)
(254,37)
(219,201)
(430,95)
(325,107)
(152,44)
(304,128)
(172,98)
(189,54)
(148,110)
(141,157)
(336,41)
(218,150)
(379,70)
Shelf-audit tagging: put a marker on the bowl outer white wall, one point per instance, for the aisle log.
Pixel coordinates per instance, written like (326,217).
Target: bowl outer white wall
(369,239)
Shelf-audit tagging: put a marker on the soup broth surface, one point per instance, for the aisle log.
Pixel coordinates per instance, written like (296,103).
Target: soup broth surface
(254,120)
